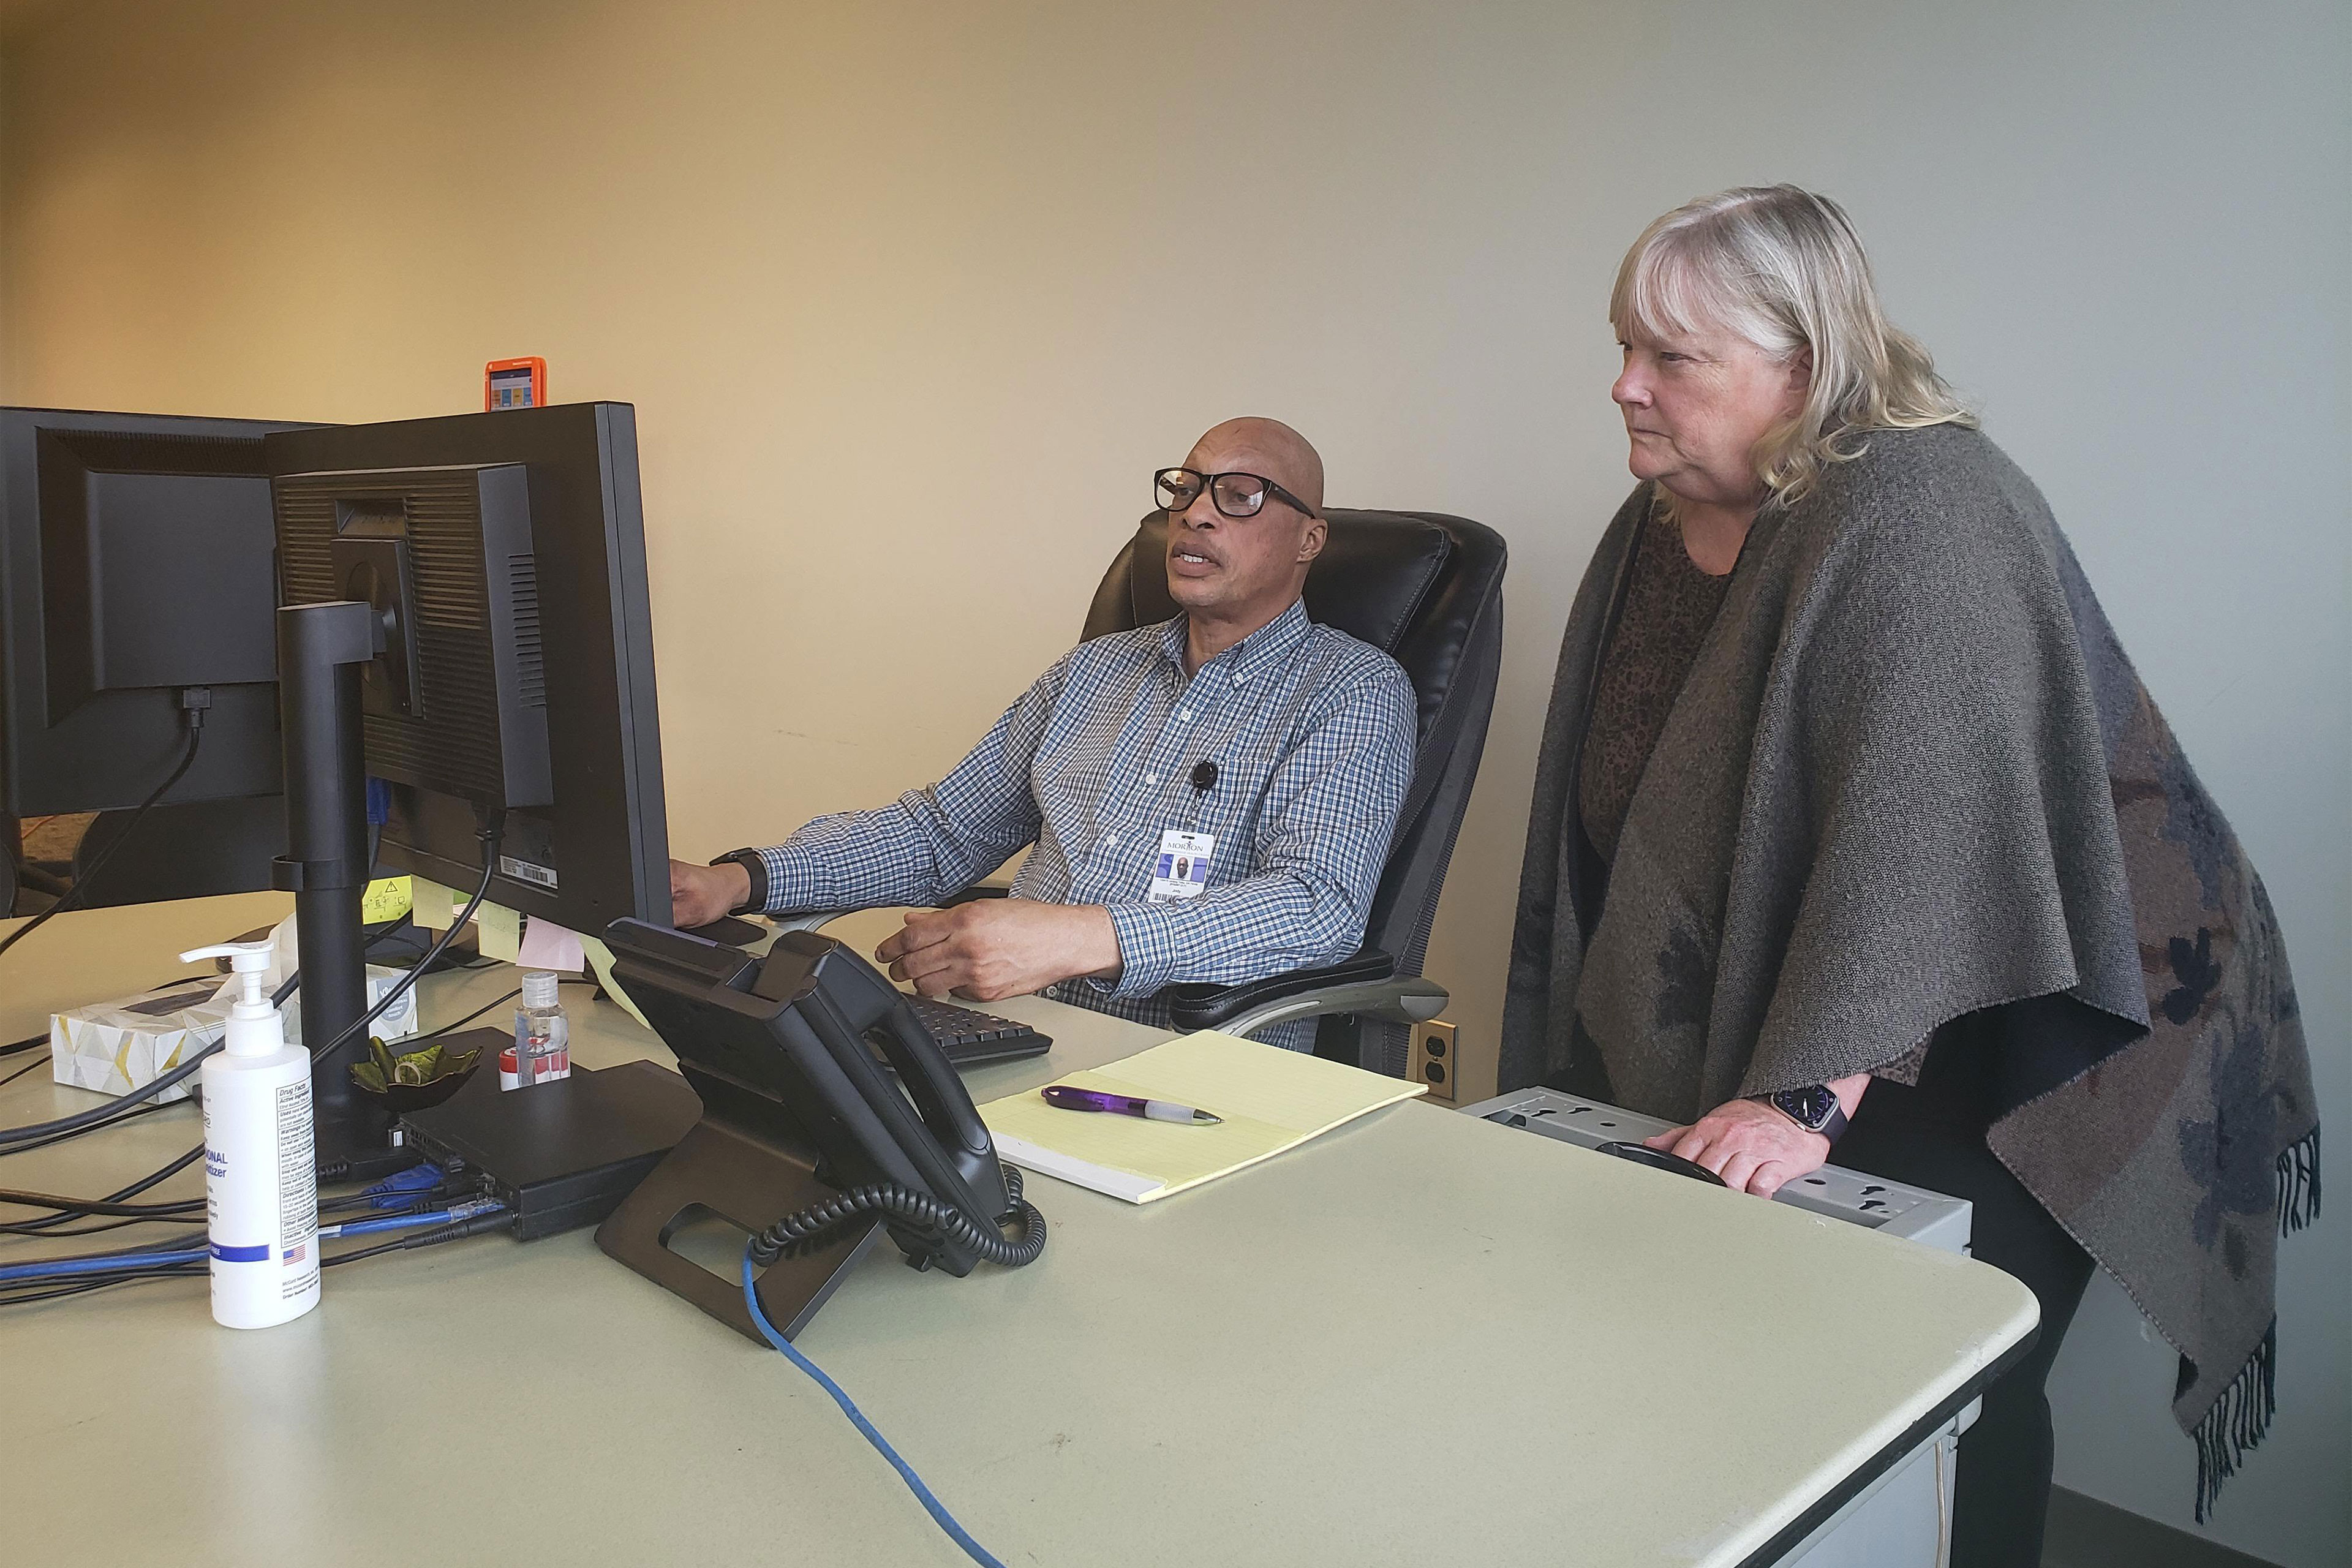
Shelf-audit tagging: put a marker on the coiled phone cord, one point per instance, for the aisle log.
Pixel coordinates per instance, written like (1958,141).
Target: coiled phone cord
(810,1228)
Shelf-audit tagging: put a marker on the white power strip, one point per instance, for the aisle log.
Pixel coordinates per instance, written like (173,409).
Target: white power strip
(1888,1207)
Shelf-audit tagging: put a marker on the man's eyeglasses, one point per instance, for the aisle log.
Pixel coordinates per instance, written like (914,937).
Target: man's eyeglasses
(1235,494)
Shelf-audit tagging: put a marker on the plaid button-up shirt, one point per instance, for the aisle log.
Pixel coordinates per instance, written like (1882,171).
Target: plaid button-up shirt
(1312,736)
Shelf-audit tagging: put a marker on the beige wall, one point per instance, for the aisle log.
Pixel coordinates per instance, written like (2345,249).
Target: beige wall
(909,299)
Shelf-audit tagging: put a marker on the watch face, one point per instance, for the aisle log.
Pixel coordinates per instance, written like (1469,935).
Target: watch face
(1812,1106)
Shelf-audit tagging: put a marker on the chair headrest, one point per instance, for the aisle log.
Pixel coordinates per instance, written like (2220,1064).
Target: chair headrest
(1376,570)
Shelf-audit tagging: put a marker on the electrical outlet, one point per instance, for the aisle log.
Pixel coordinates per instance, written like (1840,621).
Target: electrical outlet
(1434,1061)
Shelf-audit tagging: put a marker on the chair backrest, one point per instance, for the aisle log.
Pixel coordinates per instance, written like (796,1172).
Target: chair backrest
(1425,588)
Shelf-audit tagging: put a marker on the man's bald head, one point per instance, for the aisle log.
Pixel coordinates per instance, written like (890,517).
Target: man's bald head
(1266,448)
(1235,574)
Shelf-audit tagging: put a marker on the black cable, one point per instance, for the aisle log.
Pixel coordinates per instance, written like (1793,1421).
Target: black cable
(96,1228)
(811,1228)
(15,1140)
(415,1040)
(196,739)
(121,1277)
(50,1227)
(18,1048)
(491,837)
(93,1208)
(132,1115)
(21,1071)
(472,1224)
(162,1173)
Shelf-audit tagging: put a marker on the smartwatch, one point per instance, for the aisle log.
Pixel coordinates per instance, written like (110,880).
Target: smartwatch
(755,867)
(1814,1108)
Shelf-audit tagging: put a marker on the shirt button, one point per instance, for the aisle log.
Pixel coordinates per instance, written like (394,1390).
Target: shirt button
(1184,715)
(1151,778)
(1110,838)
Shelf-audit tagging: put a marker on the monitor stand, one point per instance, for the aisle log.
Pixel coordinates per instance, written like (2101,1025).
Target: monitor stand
(750,1178)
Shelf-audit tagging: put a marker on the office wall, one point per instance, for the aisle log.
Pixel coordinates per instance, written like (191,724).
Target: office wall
(911,297)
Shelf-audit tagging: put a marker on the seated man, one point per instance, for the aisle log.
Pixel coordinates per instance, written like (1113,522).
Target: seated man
(1210,798)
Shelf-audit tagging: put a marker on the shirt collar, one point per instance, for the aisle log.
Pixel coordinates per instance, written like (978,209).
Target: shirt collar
(1262,650)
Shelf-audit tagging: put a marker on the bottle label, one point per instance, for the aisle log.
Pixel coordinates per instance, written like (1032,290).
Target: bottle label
(542,1051)
(297,1192)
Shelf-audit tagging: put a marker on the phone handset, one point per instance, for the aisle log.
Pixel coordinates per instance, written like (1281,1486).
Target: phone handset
(873,1009)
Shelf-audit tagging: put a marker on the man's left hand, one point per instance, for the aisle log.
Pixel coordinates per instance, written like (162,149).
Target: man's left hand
(1751,1146)
(1000,947)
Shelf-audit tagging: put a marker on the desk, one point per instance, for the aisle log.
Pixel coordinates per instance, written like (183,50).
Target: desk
(1421,1340)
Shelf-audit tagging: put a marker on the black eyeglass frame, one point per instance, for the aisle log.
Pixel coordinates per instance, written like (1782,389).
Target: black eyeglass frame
(1209,487)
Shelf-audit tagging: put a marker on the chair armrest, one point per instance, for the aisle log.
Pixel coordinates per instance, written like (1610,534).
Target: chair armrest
(806,919)
(1366,984)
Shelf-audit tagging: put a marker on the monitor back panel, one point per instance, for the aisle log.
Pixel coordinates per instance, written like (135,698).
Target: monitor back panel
(591,844)
(135,561)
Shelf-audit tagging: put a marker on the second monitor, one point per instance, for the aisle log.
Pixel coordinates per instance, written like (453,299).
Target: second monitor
(503,554)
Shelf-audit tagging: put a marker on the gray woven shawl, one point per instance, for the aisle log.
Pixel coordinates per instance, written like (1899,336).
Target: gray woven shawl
(1912,775)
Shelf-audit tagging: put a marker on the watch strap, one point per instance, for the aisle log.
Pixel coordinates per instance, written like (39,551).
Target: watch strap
(757,869)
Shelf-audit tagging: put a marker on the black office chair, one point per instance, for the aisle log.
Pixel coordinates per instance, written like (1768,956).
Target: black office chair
(1426,589)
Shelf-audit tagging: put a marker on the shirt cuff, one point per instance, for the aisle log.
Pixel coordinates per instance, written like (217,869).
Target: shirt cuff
(1147,949)
(792,880)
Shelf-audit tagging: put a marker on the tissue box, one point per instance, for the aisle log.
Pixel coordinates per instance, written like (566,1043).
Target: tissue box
(116,1046)
(398,1020)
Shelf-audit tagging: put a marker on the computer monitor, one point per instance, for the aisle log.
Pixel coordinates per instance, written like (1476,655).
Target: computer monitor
(504,556)
(135,564)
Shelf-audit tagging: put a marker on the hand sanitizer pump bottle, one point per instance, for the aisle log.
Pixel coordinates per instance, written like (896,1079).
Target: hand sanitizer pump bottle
(261,1163)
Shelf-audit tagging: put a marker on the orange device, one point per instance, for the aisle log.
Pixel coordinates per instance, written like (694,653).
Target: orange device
(515,383)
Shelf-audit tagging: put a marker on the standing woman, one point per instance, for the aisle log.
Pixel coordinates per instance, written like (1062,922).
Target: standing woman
(1855,826)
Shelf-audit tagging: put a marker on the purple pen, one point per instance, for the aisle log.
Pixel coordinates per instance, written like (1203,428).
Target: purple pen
(1064,1098)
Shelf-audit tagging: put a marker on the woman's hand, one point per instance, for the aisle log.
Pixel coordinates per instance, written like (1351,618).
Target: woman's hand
(1753,1147)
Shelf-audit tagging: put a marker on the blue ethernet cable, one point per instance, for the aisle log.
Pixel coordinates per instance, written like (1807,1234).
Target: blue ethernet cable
(932,1505)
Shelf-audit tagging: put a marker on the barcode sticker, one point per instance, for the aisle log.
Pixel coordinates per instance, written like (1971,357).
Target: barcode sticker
(524,871)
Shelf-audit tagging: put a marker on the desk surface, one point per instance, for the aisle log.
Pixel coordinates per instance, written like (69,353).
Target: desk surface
(1421,1338)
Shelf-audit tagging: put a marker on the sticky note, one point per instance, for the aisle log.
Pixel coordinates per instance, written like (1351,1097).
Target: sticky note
(602,957)
(497,931)
(546,945)
(386,899)
(432,904)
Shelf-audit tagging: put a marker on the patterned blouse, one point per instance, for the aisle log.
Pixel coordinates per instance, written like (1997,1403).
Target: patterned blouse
(1669,605)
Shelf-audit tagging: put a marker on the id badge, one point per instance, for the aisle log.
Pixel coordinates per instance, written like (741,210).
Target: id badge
(1181,871)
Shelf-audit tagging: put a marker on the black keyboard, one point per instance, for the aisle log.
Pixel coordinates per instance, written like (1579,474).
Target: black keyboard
(971,1037)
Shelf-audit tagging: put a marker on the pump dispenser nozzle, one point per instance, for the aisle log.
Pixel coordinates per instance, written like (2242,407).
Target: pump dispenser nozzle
(254,1025)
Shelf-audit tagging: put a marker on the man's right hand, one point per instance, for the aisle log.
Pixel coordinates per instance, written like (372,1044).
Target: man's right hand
(701,894)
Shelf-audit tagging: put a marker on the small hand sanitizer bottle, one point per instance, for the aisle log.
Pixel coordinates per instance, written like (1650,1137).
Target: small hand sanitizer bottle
(542,1047)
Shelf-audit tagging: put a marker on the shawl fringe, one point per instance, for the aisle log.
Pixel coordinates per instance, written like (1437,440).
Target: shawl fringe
(2241,1418)
(2238,1420)
(2298,1183)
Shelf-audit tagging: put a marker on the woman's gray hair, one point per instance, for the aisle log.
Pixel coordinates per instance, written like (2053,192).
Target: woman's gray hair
(1783,268)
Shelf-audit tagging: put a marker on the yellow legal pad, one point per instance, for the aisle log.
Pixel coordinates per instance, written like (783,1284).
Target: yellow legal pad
(1271,1099)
